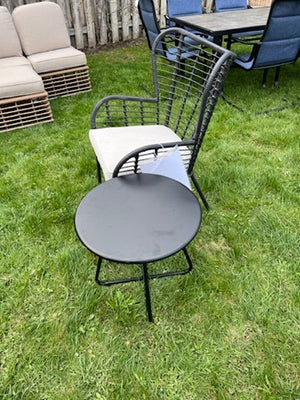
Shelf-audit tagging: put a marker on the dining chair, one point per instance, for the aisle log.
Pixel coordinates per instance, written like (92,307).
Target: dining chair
(127,131)
(234,5)
(46,43)
(149,20)
(280,42)
(23,99)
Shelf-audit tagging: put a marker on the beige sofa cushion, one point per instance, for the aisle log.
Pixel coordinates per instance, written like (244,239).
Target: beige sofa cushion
(13,62)
(19,81)
(112,144)
(9,42)
(41,27)
(56,60)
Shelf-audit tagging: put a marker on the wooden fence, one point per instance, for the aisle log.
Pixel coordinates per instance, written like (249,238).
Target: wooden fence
(94,23)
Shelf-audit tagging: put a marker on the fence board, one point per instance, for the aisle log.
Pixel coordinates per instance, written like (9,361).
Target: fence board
(77,24)
(208,6)
(135,21)
(126,19)
(103,28)
(114,20)
(90,22)
(163,12)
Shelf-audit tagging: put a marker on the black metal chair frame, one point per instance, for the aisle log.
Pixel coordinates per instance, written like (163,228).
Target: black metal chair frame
(183,102)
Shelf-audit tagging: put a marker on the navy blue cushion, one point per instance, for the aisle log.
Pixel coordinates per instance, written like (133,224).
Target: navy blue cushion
(180,7)
(230,5)
(280,43)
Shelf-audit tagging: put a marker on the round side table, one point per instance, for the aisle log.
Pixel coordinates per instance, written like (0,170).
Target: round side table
(138,219)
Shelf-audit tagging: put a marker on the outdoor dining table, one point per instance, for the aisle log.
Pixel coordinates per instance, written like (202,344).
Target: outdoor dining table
(218,24)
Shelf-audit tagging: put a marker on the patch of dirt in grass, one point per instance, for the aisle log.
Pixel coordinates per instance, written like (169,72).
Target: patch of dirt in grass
(112,46)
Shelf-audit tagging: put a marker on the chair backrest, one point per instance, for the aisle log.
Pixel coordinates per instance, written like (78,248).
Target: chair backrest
(179,7)
(187,90)
(9,42)
(230,5)
(280,43)
(148,17)
(41,27)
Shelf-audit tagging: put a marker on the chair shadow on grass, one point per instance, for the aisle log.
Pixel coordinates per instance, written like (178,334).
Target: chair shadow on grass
(243,91)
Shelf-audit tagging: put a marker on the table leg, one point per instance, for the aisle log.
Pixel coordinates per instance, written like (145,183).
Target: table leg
(147,291)
(98,270)
(218,40)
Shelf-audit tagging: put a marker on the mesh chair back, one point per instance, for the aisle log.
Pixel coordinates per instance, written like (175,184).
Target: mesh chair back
(280,43)
(230,5)
(187,91)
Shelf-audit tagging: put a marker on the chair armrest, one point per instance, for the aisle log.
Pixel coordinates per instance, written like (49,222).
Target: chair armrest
(122,110)
(246,41)
(132,161)
(167,20)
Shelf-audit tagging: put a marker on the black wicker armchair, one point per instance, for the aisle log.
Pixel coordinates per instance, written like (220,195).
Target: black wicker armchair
(127,131)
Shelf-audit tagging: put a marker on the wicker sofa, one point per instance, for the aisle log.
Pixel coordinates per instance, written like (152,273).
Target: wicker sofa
(23,99)
(46,43)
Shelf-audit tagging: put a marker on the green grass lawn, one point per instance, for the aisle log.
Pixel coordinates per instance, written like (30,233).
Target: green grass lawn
(228,330)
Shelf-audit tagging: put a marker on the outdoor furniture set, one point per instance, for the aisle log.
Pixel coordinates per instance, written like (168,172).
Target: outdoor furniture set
(142,216)
(279,26)
(147,212)
(139,217)
(178,8)
(37,63)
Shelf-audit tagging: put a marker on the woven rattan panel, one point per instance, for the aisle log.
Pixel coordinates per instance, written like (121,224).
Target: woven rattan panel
(67,82)
(21,112)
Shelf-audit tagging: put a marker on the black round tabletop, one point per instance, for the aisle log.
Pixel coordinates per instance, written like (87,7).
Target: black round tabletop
(138,218)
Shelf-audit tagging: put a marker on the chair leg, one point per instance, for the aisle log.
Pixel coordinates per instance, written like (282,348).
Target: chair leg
(264,81)
(98,271)
(147,292)
(98,171)
(188,259)
(196,184)
(276,83)
(229,42)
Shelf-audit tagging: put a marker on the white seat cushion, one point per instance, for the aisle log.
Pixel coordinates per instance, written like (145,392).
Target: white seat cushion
(9,42)
(56,60)
(112,144)
(10,62)
(19,81)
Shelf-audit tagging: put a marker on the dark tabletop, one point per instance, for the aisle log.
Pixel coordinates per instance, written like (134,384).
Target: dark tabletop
(138,218)
(226,22)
